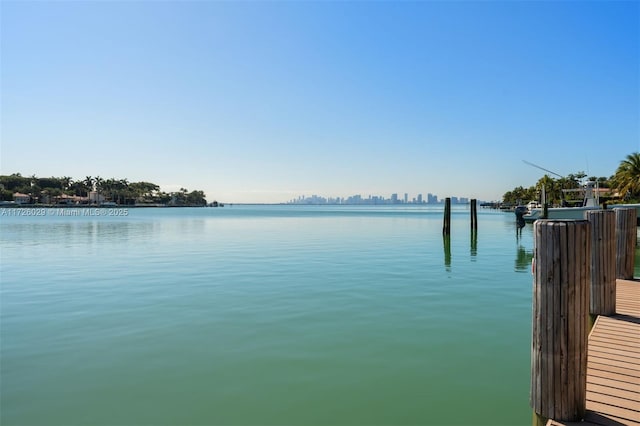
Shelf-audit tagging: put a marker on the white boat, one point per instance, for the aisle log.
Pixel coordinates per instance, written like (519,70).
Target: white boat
(591,201)
(533,205)
(559,213)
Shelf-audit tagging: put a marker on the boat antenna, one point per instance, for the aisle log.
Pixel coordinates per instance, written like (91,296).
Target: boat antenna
(542,168)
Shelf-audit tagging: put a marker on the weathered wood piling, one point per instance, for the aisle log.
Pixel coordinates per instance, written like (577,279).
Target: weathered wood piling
(562,260)
(446,227)
(603,262)
(474,215)
(625,242)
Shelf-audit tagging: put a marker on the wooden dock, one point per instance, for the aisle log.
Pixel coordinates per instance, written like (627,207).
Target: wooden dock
(613,364)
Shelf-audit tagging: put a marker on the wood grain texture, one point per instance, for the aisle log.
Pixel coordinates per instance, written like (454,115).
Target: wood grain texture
(562,255)
(603,262)
(626,229)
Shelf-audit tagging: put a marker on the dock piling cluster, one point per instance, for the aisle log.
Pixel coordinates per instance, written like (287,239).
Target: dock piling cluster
(576,263)
(446,225)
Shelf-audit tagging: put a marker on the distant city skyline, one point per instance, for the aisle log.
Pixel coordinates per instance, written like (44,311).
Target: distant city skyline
(264,101)
(377,199)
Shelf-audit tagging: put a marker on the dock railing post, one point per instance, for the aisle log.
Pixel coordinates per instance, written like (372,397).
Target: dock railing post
(446,227)
(562,256)
(603,262)
(625,242)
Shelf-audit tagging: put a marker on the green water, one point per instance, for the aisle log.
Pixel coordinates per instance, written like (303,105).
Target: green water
(266,315)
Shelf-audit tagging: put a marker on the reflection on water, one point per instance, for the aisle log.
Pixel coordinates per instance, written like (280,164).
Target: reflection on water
(524,251)
(67,235)
(474,245)
(446,242)
(523,259)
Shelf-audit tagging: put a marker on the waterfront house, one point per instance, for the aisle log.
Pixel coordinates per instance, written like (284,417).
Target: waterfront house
(96,198)
(70,199)
(21,198)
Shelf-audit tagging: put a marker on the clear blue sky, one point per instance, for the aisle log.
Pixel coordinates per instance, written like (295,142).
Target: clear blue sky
(264,101)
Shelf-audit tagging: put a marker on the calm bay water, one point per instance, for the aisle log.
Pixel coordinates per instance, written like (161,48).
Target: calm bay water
(264,315)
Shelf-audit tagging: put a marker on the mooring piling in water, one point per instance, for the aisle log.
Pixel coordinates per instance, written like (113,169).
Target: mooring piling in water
(562,260)
(625,242)
(474,215)
(446,227)
(603,262)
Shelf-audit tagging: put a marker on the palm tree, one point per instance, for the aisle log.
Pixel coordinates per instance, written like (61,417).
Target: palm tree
(123,190)
(66,182)
(627,177)
(89,181)
(551,190)
(108,187)
(79,188)
(98,182)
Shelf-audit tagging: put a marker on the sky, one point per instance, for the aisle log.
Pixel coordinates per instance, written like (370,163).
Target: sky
(265,101)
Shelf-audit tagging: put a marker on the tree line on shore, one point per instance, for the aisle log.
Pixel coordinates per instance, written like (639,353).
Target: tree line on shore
(624,185)
(94,190)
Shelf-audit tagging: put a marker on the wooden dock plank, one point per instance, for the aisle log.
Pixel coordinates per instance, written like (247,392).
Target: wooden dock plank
(610,361)
(614,374)
(608,322)
(606,390)
(627,296)
(627,414)
(610,354)
(599,344)
(614,350)
(624,405)
(610,382)
(624,330)
(615,341)
(620,328)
